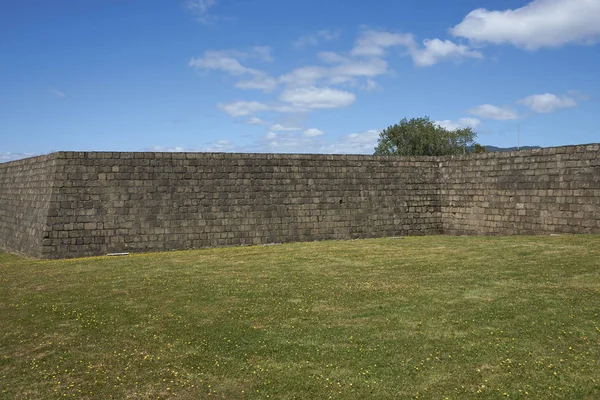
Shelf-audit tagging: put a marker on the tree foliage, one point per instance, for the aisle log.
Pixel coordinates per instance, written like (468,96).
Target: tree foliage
(423,137)
(477,148)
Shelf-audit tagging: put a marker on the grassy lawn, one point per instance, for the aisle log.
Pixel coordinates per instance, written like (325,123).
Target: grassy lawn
(418,317)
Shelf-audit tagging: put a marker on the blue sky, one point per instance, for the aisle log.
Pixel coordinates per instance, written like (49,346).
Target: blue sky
(292,76)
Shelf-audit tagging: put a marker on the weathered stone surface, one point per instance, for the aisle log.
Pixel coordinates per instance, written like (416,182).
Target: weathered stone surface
(72,204)
(25,194)
(552,190)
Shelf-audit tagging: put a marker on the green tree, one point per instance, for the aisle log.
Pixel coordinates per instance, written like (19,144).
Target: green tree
(477,148)
(423,137)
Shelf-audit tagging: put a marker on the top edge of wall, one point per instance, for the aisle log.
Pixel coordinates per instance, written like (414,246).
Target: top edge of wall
(579,148)
(228,155)
(544,151)
(32,159)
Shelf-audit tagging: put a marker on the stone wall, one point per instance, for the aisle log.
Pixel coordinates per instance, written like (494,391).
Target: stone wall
(551,190)
(25,193)
(72,204)
(122,202)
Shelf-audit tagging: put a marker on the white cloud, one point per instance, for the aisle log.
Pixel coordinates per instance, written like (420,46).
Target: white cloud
(304,76)
(200,8)
(222,145)
(228,61)
(435,49)
(288,108)
(371,67)
(313,97)
(459,124)
(312,132)
(309,141)
(166,149)
(342,80)
(324,35)
(259,82)
(224,61)
(541,23)
(5,157)
(256,121)
(242,108)
(547,102)
(489,111)
(374,44)
(286,142)
(290,143)
(282,128)
(355,143)
(346,72)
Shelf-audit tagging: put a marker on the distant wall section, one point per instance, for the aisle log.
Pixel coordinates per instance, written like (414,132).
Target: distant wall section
(551,190)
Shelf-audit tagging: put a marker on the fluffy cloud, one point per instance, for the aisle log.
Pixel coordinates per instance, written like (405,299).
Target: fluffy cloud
(242,108)
(435,50)
(547,102)
(287,142)
(459,124)
(355,143)
(228,61)
(370,68)
(312,132)
(166,149)
(374,44)
(311,87)
(217,147)
(346,71)
(224,61)
(324,35)
(282,128)
(489,111)
(313,97)
(304,76)
(541,23)
(309,141)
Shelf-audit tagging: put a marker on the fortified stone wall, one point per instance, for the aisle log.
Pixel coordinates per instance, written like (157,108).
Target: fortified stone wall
(117,202)
(72,204)
(551,190)
(25,193)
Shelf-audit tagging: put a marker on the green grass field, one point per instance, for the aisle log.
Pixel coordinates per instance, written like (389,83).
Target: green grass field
(416,317)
